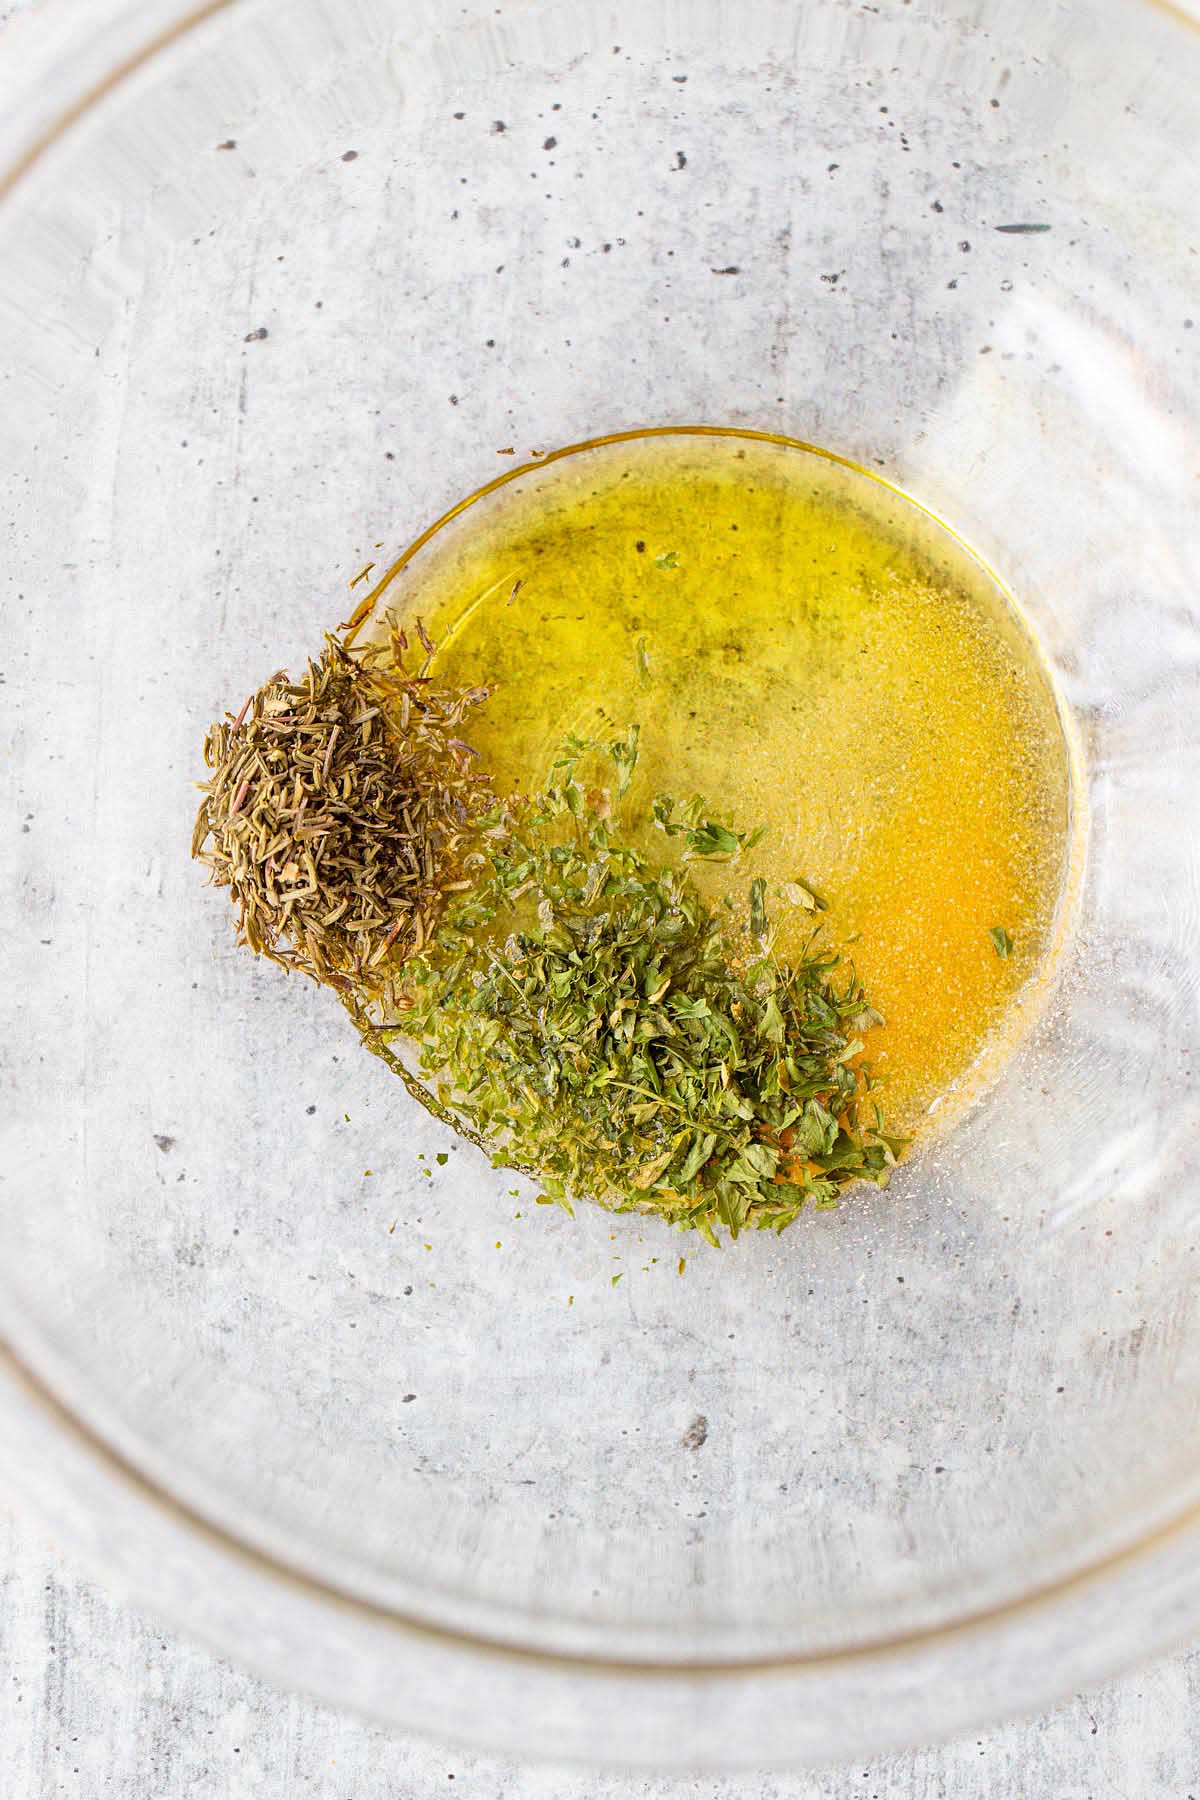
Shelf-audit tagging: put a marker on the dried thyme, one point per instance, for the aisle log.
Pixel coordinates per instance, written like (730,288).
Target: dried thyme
(338,810)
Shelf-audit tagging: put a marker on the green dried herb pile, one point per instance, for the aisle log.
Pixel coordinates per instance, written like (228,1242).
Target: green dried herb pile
(586,1014)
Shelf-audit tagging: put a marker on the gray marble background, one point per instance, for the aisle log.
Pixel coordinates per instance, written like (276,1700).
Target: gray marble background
(96,1701)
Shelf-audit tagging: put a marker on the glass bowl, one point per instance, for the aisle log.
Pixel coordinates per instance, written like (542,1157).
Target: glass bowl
(281,284)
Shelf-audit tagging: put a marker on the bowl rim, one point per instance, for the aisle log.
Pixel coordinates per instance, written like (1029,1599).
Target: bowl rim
(481,1642)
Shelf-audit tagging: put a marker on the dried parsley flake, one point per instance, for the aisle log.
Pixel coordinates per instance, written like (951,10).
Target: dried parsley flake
(585,1014)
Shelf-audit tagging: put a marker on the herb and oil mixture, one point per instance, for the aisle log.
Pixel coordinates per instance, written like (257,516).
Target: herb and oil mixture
(685,839)
(813,654)
(586,1010)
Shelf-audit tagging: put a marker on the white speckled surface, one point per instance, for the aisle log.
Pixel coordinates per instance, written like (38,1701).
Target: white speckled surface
(94,1701)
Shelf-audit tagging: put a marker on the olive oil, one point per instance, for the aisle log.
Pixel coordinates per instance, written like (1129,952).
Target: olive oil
(812,652)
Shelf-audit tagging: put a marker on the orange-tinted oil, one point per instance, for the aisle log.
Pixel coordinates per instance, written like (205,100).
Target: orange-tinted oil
(809,650)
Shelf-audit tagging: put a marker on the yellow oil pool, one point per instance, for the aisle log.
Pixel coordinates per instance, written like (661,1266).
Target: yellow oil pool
(811,651)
